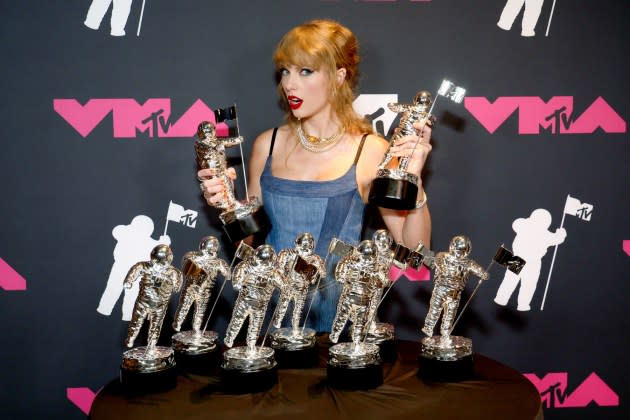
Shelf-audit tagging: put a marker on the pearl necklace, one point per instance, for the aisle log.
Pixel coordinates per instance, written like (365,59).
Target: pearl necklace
(315,144)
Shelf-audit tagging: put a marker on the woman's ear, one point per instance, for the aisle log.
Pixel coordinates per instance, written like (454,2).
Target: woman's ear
(341,75)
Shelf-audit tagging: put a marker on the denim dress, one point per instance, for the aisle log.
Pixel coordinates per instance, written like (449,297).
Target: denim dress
(325,209)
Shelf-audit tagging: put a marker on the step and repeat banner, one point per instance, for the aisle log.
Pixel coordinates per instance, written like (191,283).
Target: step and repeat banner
(100,105)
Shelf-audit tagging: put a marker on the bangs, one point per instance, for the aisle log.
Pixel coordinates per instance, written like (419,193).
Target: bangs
(301,50)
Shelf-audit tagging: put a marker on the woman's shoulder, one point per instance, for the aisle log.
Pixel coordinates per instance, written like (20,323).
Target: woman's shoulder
(375,146)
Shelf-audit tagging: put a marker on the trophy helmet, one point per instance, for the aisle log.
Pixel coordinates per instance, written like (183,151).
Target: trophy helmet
(366,250)
(162,254)
(206,130)
(460,246)
(422,98)
(382,239)
(264,255)
(209,245)
(305,244)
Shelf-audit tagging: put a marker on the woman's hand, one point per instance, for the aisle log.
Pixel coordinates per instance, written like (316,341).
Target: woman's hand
(417,154)
(214,188)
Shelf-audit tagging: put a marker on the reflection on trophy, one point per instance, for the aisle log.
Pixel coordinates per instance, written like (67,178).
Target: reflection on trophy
(150,368)
(250,368)
(395,188)
(196,349)
(240,218)
(356,364)
(301,268)
(447,357)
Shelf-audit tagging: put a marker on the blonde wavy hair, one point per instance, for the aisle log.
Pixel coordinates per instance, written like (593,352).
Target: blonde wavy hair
(327,46)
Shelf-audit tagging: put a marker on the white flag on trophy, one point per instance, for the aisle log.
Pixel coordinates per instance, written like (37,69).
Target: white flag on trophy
(177,213)
(575,207)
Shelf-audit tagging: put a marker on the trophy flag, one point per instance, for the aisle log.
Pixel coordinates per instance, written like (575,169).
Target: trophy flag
(572,207)
(177,213)
(506,258)
(452,92)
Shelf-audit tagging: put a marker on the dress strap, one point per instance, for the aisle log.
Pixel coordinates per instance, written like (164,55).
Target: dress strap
(356,158)
(273,140)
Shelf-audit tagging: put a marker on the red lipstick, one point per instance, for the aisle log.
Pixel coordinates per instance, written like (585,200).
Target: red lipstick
(294,101)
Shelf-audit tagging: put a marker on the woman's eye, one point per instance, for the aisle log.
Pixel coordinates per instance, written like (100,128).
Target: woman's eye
(306,72)
(284,72)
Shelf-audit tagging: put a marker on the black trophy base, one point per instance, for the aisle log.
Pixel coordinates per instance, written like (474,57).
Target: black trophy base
(134,382)
(297,359)
(236,381)
(247,225)
(397,194)
(435,370)
(355,378)
(199,364)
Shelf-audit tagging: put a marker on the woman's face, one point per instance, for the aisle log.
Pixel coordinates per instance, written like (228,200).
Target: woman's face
(306,90)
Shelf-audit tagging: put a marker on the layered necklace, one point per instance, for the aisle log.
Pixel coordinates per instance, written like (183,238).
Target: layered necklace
(316,144)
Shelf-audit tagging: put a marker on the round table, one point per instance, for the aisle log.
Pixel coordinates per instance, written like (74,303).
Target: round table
(496,391)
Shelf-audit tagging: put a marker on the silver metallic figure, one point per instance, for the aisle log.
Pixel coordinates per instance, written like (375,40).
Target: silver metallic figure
(384,261)
(200,269)
(360,277)
(452,270)
(158,281)
(255,279)
(411,113)
(210,151)
(296,284)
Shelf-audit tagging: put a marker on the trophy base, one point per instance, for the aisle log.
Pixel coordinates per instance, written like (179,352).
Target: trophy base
(244,372)
(143,372)
(392,193)
(238,225)
(383,335)
(295,349)
(446,359)
(354,366)
(196,352)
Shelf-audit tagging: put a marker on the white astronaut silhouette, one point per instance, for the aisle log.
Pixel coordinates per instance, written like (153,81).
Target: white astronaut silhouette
(530,16)
(120,13)
(531,242)
(134,244)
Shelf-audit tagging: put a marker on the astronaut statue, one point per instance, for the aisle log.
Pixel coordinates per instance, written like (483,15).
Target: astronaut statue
(377,332)
(200,269)
(240,218)
(411,113)
(297,283)
(210,151)
(359,274)
(452,269)
(158,281)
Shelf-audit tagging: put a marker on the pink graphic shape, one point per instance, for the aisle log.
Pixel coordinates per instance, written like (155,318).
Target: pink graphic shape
(83,118)
(9,278)
(82,398)
(626,247)
(491,114)
(599,114)
(592,389)
(187,124)
(413,275)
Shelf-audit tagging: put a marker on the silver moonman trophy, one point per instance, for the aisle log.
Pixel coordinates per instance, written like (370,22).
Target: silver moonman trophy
(196,350)
(395,188)
(355,364)
(150,368)
(240,218)
(295,345)
(251,368)
(446,357)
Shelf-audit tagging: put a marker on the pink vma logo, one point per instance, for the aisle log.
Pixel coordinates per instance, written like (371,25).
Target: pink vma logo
(553,391)
(130,118)
(555,116)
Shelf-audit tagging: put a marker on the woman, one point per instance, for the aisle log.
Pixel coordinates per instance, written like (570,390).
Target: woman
(314,173)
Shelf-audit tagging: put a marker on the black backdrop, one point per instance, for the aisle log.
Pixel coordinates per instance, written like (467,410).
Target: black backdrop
(73,171)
